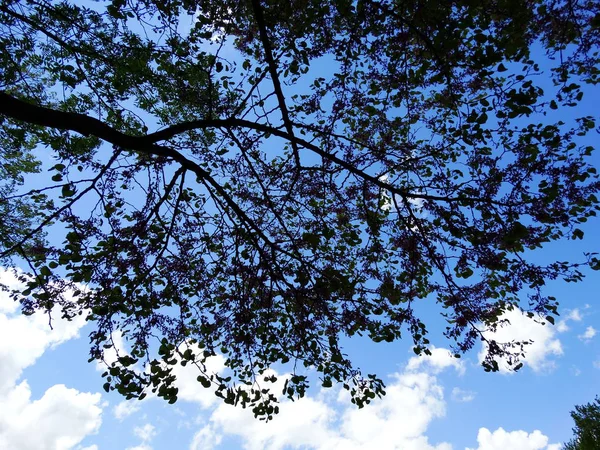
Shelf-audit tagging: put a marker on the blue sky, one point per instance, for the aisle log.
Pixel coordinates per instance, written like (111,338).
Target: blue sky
(52,398)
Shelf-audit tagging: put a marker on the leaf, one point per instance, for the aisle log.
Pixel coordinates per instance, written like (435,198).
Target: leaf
(312,239)
(466,273)
(204,381)
(68,190)
(278,177)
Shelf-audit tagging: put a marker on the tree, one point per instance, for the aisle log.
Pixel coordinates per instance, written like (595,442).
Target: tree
(257,178)
(587,427)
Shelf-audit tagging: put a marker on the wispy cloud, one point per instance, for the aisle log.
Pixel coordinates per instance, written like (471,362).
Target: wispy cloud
(462,396)
(588,334)
(574,315)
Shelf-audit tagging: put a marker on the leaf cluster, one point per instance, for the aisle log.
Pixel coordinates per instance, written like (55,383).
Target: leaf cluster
(259,179)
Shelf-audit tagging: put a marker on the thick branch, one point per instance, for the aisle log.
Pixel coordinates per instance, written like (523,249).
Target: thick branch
(38,115)
(264,38)
(86,125)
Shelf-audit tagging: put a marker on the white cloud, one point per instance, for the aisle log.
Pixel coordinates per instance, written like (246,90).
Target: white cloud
(439,360)
(514,440)
(126,408)
(596,364)
(463,396)
(8,279)
(112,354)
(190,388)
(397,421)
(205,439)
(589,333)
(387,202)
(562,326)
(573,315)
(385,198)
(400,419)
(146,432)
(521,328)
(23,339)
(62,417)
(140,447)
(303,423)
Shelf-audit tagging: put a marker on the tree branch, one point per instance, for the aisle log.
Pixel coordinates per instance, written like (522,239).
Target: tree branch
(86,125)
(264,38)
(63,208)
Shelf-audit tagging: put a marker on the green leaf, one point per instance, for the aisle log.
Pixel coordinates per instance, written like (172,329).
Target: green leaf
(264,202)
(311,238)
(68,190)
(204,381)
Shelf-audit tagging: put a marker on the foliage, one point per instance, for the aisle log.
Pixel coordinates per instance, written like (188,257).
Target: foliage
(587,427)
(257,179)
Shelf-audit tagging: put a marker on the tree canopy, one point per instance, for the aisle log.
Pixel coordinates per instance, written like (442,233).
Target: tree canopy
(258,179)
(587,427)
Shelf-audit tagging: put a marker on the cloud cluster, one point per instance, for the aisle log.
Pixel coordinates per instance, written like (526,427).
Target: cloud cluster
(514,440)
(62,417)
(400,420)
